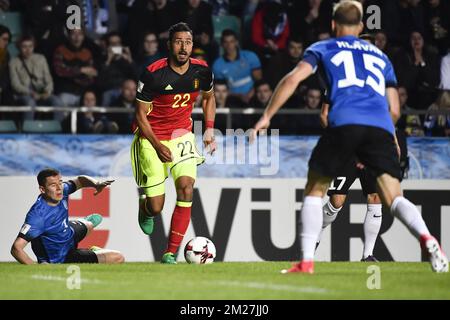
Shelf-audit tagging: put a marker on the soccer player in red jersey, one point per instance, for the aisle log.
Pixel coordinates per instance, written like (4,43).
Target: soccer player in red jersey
(163,140)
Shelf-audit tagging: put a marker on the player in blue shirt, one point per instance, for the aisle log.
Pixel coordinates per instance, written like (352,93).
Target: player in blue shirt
(53,237)
(363,102)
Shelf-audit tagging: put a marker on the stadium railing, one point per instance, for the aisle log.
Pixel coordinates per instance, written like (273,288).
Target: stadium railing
(227,112)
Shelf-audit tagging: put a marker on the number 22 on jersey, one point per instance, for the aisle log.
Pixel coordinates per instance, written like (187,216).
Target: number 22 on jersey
(183,99)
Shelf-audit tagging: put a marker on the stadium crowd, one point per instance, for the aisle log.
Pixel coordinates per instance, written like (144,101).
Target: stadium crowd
(250,45)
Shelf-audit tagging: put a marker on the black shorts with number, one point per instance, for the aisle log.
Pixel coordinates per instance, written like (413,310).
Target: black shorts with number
(343,181)
(76,255)
(339,146)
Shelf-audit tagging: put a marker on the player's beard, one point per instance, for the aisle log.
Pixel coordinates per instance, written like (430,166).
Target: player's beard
(177,62)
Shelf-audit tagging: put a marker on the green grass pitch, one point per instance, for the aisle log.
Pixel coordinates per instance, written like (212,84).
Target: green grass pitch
(230,280)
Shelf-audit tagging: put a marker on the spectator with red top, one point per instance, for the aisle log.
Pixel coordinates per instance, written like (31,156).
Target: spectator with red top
(270,29)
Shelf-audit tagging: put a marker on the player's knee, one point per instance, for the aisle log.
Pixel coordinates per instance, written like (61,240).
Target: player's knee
(316,185)
(373,198)
(337,201)
(155,208)
(185,192)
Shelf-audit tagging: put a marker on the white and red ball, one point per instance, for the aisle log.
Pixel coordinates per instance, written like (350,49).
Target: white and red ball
(200,250)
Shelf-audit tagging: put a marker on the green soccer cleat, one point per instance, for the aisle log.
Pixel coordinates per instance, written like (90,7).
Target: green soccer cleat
(145,221)
(95,219)
(168,258)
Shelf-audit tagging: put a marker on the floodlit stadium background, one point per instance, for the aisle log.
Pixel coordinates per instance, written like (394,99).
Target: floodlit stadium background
(250,216)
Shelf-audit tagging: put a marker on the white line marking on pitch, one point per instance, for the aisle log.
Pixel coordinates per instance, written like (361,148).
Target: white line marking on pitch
(279,287)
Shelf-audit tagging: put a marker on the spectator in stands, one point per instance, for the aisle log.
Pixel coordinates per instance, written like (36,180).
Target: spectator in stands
(240,68)
(46,21)
(438,125)
(401,17)
(223,98)
(314,20)
(282,63)
(418,69)
(5,87)
(198,15)
(221,93)
(437,17)
(73,65)
(263,92)
(31,80)
(381,42)
(91,122)
(150,52)
(151,15)
(409,123)
(445,68)
(118,67)
(309,124)
(270,29)
(127,100)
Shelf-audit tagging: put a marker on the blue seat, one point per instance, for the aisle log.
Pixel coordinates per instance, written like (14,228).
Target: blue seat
(221,23)
(41,126)
(8,126)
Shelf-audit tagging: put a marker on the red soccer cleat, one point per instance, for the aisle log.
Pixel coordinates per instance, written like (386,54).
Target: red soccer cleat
(304,266)
(438,260)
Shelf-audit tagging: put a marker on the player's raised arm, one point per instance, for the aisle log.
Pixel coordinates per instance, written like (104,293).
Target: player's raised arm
(89,182)
(283,91)
(18,252)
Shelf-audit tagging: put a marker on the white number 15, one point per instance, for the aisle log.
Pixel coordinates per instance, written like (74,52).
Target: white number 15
(370,63)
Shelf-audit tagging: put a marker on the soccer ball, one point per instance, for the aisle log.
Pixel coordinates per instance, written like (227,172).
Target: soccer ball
(200,250)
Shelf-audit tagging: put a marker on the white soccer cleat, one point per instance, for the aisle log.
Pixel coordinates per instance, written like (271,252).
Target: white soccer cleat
(438,260)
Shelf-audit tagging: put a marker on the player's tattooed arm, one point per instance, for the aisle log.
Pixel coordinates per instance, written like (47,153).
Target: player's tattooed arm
(89,182)
(18,252)
(142,109)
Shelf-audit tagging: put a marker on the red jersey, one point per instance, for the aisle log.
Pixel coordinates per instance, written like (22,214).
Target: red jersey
(172,95)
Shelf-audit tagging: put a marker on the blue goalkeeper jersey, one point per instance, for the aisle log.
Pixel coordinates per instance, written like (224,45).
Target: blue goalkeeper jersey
(48,229)
(356,75)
